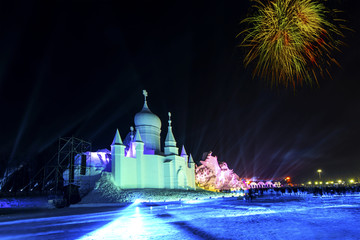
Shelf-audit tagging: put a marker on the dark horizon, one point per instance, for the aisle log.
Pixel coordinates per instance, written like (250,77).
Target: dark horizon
(78,69)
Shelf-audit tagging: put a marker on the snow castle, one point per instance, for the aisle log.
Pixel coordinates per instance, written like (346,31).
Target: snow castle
(142,164)
(137,162)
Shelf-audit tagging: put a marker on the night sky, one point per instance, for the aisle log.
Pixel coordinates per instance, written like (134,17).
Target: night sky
(78,68)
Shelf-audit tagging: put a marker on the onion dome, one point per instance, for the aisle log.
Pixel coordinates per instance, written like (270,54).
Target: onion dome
(145,117)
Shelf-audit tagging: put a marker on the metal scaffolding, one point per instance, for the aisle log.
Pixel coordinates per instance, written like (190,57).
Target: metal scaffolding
(49,179)
(69,149)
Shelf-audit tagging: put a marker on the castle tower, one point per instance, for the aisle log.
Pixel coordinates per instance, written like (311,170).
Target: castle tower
(139,144)
(170,143)
(117,154)
(149,126)
(139,148)
(191,163)
(184,154)
(191,172)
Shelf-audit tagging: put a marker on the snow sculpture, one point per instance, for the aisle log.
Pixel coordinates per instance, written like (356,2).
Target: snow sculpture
(216,177)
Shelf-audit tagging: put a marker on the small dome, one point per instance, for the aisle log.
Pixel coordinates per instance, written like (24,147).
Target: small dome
(146,117)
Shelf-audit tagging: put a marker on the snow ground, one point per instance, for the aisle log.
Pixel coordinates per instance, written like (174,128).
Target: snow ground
(271,217)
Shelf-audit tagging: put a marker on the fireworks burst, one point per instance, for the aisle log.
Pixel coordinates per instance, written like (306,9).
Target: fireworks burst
(291,41)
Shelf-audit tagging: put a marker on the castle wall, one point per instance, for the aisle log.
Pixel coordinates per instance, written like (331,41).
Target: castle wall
(190,175)
(153,171)
(128,173)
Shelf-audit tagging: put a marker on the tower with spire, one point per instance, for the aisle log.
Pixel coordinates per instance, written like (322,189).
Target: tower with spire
(117,154)
(139,161)
(170,143)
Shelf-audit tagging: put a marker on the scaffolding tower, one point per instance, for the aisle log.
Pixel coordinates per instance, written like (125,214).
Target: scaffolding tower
(49,179)
(69,149)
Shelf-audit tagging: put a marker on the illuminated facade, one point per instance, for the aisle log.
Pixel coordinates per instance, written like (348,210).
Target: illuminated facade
(141,164)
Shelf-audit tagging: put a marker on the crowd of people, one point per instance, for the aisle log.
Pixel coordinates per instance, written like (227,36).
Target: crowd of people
(321,191)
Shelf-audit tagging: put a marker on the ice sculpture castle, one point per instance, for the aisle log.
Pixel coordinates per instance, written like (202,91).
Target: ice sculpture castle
(141,164)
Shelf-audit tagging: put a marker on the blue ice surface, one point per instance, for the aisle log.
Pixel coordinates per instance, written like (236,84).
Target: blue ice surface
(276,217)
(24,202)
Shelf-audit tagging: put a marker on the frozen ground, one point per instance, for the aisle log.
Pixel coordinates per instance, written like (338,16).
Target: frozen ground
(229,218)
